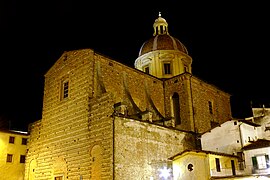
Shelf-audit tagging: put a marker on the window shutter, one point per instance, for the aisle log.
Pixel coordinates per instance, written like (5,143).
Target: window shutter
(267,160)
(254,162)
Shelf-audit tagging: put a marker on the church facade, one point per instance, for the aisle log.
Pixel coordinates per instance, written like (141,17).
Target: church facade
(104,120)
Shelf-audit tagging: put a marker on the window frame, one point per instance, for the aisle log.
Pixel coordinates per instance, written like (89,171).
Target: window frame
(264,161)
(210,107)
(176,108)
(58,177)
(167,68)
(9,158)
(218,167)
(22,158)
(65,89)
(24,141)
(11,139)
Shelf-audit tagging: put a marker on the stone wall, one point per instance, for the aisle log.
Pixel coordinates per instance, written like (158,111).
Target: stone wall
(203,92)
(142,149)
(146,91)
(180,84)
(194,95)
(101,137)
(75,137)
(62,147)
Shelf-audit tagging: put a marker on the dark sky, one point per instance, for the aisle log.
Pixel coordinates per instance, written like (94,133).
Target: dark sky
(228,41)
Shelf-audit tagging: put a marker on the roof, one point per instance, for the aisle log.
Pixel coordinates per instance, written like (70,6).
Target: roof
(14,132)
(233,120)
(260,143)
(249,123)
(161,39)
(162,42)
(202,151)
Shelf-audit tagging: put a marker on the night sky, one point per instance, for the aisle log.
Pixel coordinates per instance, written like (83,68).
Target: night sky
(228,41)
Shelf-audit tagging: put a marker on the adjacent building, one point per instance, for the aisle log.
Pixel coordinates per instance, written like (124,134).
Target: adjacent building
(13,148)
(248,139)
(204,165)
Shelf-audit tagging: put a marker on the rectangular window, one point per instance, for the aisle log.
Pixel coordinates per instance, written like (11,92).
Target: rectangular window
(9,157)
(58,178)
(11,139)
(217,164)
(210,106)
(260,162)
(24,141)
(233,167)
(22,159)
(65,89)
(167,68)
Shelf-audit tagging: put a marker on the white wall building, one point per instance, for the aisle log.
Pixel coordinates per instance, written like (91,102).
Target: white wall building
(231,136)
(257,157)
(248,139)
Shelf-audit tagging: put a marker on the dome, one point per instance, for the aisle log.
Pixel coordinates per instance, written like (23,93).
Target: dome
(161,39)
(162,42)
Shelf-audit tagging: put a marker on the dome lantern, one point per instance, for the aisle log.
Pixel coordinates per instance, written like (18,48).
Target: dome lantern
(160,26)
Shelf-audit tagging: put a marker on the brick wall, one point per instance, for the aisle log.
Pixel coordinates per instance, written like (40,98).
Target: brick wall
(142,149)
(194,95)
(62,147)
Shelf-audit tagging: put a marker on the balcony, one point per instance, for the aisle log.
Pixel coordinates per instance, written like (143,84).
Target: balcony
(249,171)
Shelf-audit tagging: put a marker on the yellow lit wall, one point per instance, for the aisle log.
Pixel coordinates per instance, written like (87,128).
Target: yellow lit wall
(199,163)
(225,165)
(12,170)
(203,165)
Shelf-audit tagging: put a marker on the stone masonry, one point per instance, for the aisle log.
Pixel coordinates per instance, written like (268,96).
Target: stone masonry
(86,136)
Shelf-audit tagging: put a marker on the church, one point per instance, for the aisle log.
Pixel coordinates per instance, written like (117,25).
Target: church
(104,120)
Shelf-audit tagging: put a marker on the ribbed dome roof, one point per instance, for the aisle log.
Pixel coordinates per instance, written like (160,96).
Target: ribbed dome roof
(162,42)
(161,39)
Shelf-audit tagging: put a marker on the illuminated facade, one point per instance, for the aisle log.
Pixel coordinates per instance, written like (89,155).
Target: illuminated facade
(12,154)
(204,165)
(104,120)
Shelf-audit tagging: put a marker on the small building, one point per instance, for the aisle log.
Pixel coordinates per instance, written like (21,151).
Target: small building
(257,157)
(13,147)
(203,165)
(245,138)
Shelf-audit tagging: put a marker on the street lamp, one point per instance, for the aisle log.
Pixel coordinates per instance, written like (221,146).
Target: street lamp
(165,173)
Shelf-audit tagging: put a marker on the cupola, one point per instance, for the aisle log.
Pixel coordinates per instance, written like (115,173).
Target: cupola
(163,55)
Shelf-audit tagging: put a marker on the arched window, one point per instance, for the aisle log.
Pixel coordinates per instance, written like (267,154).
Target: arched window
(176,108)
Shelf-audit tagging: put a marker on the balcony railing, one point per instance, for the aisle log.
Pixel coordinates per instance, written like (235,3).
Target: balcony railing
(248,170)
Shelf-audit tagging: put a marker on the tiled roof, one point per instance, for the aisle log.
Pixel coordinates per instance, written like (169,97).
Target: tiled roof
(260,143)
(203,151)
(250,123)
